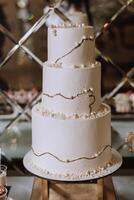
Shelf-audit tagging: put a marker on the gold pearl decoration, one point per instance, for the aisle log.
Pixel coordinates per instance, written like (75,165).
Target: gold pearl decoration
(82,66)
(92,38)
(55,32)
(84,38)
(76,116)
(85,91)
(96,155)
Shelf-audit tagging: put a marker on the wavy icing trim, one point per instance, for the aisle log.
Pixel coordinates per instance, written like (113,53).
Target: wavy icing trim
(69,98)
(84,92)
(59,115)
(84,39)
(107,168)
(81,66)
(68,25)
(76,159)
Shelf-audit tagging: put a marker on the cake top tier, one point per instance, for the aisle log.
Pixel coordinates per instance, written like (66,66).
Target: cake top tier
(71,46)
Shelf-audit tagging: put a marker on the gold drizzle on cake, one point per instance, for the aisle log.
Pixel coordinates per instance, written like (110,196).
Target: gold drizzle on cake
(96,155)
(85,91)
(84,39)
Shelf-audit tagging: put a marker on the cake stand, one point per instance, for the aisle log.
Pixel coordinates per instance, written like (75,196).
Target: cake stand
(48,178)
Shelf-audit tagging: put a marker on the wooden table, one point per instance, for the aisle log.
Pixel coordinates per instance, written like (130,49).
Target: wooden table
(101,189)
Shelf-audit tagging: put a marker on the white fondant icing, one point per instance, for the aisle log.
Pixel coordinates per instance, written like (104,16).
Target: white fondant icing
(64,127)
(69,82)
(69,139)
(65,41)
(77,18)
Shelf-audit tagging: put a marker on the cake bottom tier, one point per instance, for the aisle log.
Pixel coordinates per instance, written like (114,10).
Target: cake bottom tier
(71,146)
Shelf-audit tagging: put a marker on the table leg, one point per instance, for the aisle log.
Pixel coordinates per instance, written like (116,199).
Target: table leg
(109,193)
(45,189)
(100,187)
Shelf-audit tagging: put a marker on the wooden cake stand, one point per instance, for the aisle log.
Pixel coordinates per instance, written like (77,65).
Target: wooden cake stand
(102,189)
(100,183)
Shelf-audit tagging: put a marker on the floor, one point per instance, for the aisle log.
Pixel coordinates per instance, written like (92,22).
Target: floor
(21,187)
(124,187)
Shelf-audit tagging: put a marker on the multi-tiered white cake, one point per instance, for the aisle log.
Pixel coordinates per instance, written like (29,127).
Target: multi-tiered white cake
(71,128)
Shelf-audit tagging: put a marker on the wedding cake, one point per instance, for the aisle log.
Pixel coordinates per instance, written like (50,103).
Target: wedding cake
(71,127)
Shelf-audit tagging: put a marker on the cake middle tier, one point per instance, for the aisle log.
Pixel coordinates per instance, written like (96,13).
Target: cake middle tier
(72,90)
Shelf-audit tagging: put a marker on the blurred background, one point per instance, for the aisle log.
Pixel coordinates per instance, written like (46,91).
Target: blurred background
(21,74)
(115,43)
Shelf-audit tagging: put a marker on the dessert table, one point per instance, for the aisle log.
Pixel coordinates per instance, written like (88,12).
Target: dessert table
(30,188)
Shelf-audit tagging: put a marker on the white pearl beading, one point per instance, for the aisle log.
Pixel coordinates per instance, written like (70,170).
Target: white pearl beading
(59,115)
